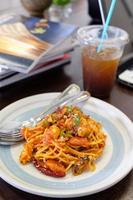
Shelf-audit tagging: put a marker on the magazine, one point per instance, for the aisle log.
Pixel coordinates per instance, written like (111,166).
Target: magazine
(26,42)
(9,77)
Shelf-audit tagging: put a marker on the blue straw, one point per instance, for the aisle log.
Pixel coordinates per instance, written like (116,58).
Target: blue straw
(112,6)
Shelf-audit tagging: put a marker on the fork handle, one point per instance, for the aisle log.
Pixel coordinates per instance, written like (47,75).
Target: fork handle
(78,98)
(68,93)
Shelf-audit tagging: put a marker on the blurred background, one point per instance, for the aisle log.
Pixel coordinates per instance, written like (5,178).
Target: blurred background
(84,12)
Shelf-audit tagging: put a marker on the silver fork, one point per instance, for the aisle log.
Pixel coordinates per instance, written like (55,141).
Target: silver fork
(13,133)
(9,137)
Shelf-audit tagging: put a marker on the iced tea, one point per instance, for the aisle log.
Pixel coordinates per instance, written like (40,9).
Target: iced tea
(99,70)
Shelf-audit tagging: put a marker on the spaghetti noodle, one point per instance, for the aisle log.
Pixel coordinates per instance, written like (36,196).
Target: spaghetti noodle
(66,139)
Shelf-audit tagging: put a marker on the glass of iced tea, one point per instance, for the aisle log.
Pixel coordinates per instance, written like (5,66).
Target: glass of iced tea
(99,68)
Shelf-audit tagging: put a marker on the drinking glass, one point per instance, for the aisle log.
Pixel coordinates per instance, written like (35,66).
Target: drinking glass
(99,68)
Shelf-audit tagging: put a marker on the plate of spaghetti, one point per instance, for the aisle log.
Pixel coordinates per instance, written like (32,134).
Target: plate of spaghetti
(74,151)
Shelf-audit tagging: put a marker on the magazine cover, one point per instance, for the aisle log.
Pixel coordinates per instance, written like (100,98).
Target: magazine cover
(25,41)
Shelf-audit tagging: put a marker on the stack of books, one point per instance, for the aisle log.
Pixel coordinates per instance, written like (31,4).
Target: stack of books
(30,45)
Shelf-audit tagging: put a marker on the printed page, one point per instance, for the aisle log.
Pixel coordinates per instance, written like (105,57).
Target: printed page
(24,41)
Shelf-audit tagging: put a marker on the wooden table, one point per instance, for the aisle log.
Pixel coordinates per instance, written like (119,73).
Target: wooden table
(57,79)
(54,81)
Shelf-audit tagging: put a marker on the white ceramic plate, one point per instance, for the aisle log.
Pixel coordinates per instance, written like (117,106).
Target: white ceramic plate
(115,163)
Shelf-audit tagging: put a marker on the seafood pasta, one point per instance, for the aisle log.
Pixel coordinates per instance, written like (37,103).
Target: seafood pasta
(67,139)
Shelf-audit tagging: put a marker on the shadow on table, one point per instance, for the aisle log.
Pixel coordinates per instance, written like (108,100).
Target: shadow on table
(45,82)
